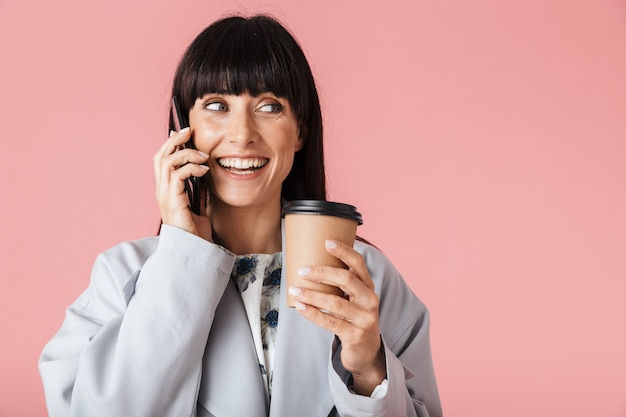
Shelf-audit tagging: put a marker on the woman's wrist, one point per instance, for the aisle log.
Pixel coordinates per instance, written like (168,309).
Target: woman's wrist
(364,383)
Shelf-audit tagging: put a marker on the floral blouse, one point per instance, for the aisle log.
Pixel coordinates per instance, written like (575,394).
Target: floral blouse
(258,278)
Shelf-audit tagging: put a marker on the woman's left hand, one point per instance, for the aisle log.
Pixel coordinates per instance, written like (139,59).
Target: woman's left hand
(353,319)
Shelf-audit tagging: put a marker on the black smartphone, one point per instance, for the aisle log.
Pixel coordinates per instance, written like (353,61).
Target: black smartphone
(192,185)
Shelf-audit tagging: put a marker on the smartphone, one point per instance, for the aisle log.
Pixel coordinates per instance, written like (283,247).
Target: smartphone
(192,185)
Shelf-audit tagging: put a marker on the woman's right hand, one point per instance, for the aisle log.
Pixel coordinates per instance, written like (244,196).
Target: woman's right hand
(173,165)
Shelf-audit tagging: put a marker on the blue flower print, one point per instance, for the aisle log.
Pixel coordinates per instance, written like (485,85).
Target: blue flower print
(274,277)
(246,264)
(273,272)
(271,318)
(244,270)
(269,324)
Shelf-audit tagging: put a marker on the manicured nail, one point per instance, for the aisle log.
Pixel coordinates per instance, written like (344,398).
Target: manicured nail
(299,306)
(204,155)
(184,130)
(295,291)
(172,132)
(303,272)
(331,244)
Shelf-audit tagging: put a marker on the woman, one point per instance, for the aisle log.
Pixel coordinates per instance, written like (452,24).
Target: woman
(194,321)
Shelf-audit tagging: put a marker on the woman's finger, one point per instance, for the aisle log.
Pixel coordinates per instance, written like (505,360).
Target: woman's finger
(334,323)
(180,175)
(328,304)
(184,157)
(170,146)
(170,158)
(353,259)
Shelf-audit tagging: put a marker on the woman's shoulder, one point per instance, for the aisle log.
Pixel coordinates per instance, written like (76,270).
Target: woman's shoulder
(390,284)
(377,262)
(117,267)
(130,254)
(113,275)
(369,251)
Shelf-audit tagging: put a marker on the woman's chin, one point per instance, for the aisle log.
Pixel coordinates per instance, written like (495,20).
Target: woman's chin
(250,200)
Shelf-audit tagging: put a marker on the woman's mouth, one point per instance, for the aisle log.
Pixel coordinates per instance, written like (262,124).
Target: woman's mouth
(242,166)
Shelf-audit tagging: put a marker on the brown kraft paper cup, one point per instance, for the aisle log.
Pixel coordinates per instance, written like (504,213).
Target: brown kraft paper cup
(308,224)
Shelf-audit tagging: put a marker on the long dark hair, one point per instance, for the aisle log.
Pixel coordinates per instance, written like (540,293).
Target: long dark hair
(257,54)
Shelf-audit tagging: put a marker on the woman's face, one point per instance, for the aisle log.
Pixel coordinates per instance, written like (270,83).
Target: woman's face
(251,141)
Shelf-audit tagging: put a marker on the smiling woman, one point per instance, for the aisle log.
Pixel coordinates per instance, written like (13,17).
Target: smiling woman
(195,321)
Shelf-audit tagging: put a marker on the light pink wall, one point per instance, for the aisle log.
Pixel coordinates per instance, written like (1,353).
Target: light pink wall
(484,141)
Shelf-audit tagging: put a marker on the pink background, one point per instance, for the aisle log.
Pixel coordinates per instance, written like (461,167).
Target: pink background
(484,142)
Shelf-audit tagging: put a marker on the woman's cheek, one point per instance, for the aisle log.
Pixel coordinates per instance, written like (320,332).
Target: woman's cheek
(206,140)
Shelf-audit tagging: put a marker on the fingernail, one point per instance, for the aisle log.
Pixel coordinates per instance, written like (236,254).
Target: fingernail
(184,130)
(172,132)
(331,244)
(204,155)
(295,291)
(299,306)
(303,272)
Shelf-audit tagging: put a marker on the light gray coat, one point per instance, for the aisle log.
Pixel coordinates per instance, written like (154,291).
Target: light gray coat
(162,331)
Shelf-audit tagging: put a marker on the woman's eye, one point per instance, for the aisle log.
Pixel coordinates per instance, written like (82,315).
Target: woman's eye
(271,108)
(216,106)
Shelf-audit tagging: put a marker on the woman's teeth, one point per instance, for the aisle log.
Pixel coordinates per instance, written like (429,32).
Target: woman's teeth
(248,164)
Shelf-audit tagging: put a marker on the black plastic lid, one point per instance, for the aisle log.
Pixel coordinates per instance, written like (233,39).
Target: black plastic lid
(327,208)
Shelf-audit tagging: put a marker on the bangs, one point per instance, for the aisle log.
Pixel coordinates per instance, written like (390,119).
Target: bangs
(239,67)
(241,56)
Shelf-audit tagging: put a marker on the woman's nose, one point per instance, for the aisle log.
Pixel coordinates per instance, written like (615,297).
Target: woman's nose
(242,131)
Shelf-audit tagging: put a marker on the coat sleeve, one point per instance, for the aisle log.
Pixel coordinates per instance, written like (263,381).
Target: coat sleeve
(132,343)
(405,324)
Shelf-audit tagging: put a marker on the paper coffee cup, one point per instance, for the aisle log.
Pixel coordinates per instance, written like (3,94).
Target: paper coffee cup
(308,224)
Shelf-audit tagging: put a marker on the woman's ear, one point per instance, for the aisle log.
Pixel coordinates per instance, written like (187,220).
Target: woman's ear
(303,132)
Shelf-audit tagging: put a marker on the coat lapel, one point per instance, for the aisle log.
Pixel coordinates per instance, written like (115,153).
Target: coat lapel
(231,380)
(300,383)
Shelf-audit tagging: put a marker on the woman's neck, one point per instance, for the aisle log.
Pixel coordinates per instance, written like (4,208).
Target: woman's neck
(246,230)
